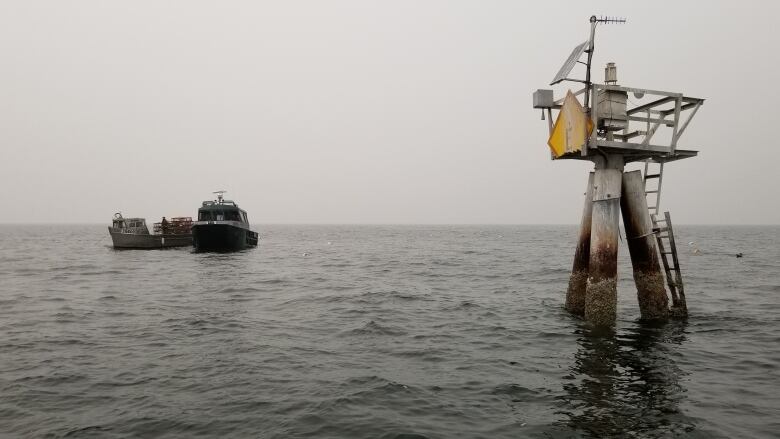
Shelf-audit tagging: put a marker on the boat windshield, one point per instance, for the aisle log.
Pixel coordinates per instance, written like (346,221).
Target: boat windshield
(232,215)
(219,215)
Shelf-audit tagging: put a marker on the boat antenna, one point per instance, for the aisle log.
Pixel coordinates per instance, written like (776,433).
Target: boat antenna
(219,196)
(591,45)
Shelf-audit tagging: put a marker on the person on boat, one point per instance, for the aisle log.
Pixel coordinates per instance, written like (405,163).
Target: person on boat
(164,225)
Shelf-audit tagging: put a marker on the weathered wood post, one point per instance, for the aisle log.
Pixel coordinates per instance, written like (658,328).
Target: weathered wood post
(601,292)
(650,290)
(575,294)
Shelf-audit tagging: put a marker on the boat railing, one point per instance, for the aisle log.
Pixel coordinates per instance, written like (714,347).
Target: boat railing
(220,203)
(130,230)
(181,225)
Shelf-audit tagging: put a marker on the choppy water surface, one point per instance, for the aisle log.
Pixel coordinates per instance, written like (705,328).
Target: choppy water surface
(391,332)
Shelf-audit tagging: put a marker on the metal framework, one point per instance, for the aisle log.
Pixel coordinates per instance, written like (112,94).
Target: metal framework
(669,109)
(635,142)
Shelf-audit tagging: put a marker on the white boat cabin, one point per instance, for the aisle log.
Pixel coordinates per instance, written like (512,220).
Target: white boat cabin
(136,226)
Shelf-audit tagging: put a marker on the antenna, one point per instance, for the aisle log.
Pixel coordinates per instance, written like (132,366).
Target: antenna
(593,22)
(586,47)
(607,20)
(219,195)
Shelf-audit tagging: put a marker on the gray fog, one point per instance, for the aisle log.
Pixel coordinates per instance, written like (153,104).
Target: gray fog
(364,111)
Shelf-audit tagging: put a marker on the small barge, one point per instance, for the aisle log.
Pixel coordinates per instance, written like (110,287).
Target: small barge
(127,233)
(222,226)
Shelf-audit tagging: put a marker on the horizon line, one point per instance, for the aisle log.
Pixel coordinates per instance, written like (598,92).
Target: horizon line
(76,223)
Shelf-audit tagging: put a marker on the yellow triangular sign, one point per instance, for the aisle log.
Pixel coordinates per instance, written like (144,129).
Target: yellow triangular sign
(571,128)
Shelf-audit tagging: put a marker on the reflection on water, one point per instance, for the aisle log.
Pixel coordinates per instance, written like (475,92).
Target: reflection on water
(626,383)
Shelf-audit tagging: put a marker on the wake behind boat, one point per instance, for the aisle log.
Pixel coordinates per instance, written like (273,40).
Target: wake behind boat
(222,226)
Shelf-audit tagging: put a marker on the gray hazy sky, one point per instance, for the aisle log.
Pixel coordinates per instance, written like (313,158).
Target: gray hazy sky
(364,111)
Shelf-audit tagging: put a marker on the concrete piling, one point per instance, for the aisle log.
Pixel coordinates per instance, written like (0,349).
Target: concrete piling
(601,291)
(653,302)
(578,281)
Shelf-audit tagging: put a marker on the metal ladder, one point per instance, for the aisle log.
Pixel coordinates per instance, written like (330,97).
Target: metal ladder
(656,174)
(664,236)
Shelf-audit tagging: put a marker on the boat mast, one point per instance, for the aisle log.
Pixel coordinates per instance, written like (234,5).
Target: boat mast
(220,195)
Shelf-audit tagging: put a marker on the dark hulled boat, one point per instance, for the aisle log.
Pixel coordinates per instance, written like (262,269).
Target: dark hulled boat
(222,226)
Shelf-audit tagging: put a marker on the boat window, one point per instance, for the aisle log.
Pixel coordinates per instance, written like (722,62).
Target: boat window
(232,215)
(204,215)
(220,215)
(243,214)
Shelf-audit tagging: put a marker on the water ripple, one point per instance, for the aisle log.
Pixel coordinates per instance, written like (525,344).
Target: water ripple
(380,331)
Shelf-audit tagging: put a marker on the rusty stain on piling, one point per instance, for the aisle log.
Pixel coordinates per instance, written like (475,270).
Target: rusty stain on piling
(601,291)
(600,302)
(651,293)
(575,294)
(601,297)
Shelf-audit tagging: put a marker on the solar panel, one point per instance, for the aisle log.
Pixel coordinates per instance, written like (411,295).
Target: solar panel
(569,64)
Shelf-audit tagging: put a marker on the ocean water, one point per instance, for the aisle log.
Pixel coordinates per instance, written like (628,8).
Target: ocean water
(378,332)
